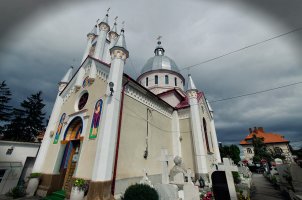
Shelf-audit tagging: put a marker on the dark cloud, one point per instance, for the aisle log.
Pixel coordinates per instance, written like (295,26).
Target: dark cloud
(40,39)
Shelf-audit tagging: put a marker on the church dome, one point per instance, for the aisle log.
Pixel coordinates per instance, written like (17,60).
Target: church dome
(159,61)
(160,73)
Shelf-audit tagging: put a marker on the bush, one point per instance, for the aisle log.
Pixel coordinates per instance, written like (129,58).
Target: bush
(236,177)
(16,192)
(140,192)
(81,184)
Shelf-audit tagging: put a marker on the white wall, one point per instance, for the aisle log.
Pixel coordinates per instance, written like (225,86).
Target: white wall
(13,164)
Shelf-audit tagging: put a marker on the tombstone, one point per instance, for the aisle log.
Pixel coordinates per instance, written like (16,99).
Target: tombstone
(278,161)
(167,191)
(228,167)
(191,192)
(220,186)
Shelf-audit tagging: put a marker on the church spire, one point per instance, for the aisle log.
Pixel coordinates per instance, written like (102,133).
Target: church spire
(159,50)
(121,44)
(104,28)
(90,37)
(67,76)
(191,85)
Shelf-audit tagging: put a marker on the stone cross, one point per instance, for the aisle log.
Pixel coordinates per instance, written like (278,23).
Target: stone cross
(164,158)
(228,167)
(189,172)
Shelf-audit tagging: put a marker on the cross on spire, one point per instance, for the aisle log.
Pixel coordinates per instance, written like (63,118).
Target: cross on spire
(108,10)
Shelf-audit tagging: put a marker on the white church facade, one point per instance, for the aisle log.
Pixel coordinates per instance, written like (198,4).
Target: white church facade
(107,128)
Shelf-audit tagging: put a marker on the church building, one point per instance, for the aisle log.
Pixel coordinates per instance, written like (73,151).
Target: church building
(108,128)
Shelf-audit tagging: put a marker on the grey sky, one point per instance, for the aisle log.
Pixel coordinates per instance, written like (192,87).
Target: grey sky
(40,40)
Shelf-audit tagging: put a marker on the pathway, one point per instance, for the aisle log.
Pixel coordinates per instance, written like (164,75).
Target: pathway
(264,189)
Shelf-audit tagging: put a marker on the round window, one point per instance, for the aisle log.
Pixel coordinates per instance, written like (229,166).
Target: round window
(83,101)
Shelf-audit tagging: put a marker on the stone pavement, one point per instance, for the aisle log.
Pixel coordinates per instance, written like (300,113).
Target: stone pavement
(264,189)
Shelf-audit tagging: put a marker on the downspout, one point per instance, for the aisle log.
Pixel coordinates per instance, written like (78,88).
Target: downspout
(118,138)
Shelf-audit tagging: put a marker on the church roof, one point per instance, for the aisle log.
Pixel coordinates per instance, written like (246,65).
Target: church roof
(185,102)
(267,137)
(159,61)
(175,91)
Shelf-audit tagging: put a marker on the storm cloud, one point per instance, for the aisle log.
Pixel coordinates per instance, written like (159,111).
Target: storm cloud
(41,39)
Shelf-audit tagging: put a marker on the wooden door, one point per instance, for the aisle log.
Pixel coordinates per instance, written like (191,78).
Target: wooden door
(72,163)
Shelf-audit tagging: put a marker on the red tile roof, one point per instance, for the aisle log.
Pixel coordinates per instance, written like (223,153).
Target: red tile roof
(267,137)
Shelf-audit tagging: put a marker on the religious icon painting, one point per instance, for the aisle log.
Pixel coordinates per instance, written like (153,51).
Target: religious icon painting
(96,119)
(86,82)
(59,129)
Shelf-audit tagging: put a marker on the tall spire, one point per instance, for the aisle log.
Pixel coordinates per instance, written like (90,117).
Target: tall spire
(159,50)
(121,43)
(67,76)
(191,85)
(94,30)
(104,28)
(113,32)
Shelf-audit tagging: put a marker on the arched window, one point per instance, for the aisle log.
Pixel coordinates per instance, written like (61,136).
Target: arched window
(156,79)
(249,150)
(175,81)
(206,134)
(166,79)
(147,80)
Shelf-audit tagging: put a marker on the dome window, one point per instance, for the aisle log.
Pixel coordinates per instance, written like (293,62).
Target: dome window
(156,79)
(166,79)
(175,81)
(147,80)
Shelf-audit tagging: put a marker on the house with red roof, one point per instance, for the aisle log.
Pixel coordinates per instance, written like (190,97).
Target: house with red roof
(275,143)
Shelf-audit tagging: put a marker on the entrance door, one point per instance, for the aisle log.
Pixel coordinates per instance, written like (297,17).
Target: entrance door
(72,163)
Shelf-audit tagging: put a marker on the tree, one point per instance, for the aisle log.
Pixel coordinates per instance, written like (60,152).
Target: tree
(27,122)
(232,152)
(260,151)
(5,97)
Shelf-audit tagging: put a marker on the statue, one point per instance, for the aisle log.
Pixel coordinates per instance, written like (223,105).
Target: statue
(177,168)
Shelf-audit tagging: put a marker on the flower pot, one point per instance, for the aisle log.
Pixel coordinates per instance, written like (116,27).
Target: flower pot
(76,194)
(32,186)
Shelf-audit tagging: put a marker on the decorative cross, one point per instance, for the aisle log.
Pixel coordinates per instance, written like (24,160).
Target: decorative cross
(108,10)
(189,172)
(164,158)
(115,18)
(123,24)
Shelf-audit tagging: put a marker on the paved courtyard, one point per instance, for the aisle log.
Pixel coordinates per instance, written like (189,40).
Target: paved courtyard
(264,189)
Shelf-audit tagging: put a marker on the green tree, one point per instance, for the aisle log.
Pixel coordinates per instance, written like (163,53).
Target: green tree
(260,151)
(15,130)
(231,151)
(5,97)
(27,122)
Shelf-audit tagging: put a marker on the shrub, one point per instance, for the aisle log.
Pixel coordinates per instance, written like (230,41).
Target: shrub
(16,192)
(140,192)
(236,177)
(81,184)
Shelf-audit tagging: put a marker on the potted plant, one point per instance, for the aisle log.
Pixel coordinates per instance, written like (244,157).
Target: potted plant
(78,190)
(33,184)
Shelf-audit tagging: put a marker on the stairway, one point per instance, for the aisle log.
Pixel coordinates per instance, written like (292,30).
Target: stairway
(58,195)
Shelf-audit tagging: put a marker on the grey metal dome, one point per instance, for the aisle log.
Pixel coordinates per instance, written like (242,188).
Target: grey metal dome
(159,61)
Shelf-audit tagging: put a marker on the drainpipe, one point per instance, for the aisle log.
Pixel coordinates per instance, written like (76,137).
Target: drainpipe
(118,138)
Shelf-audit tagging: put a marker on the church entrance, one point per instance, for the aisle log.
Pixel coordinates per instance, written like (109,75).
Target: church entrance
(71,152)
